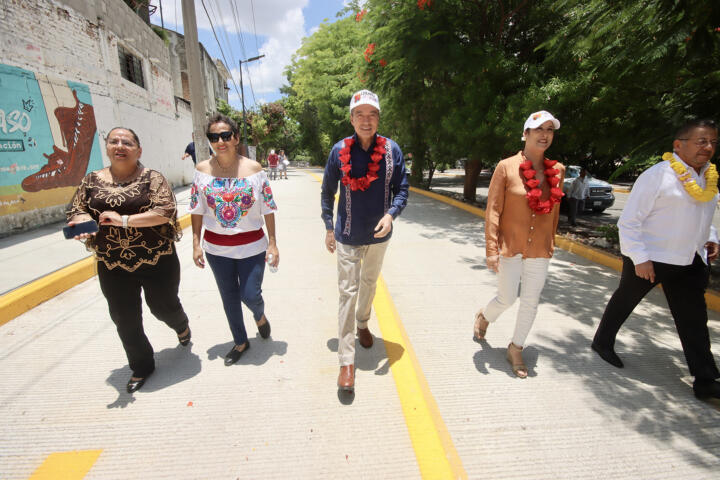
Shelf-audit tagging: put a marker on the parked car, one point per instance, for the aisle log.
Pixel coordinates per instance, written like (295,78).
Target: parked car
(600,193)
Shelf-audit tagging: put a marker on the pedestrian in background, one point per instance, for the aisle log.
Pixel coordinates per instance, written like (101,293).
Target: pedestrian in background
(283,163)
(231,198)
(666,236)
(521,219)
(576,196)
(136,212)
(373,191)
(272,162)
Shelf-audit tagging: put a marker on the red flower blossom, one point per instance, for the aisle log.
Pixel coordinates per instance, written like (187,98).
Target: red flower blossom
(529,173)
(360,15)
(422,4)
(369,51)
(383,62)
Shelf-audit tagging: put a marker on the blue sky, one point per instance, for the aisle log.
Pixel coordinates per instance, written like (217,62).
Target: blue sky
(280,26)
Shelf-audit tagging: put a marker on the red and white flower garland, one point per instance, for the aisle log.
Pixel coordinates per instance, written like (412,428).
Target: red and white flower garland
(532,185)
(361,183)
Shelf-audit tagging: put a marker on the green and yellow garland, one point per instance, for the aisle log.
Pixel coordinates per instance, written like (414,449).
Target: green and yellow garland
(691,186)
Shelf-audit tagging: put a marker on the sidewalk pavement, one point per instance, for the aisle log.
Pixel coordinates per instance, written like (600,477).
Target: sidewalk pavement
(277,414)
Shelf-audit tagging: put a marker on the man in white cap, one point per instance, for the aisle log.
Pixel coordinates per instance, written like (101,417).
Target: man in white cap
(373,191)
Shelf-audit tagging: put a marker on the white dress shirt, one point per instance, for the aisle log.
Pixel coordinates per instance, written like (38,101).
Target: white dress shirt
(579,187)
(662,222)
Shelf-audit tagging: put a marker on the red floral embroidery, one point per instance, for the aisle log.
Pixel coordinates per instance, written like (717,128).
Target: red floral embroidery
(360,15)
(532,184)
(361,183)
(369,51)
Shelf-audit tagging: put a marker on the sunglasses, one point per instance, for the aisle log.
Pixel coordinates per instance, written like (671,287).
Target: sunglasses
(215,137)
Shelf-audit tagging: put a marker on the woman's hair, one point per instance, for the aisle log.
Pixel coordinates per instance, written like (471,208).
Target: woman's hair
(137,139)
(220,118)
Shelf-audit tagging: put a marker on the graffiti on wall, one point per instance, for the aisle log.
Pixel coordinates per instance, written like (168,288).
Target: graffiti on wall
(48,139)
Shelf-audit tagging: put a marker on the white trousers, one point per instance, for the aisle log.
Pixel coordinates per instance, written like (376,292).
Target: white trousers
(358,270)
(529,274)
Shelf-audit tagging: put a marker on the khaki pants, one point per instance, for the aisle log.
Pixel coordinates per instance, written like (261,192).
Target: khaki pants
(358,270)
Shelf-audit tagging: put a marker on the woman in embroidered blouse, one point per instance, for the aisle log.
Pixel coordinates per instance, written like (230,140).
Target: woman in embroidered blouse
(135,209)
(230,197)
(520,222)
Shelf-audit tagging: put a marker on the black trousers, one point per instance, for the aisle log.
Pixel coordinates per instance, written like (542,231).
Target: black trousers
(160,284)
(684,288)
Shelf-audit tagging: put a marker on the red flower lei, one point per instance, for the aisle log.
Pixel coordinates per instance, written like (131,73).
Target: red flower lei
(532,184)
(361,183)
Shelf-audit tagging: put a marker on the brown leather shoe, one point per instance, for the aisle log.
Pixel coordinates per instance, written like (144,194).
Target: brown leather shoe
(346,379)
(365,337)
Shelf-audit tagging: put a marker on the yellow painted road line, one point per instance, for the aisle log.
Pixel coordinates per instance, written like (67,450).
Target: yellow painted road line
(712,298)
(434,448)
(66,465)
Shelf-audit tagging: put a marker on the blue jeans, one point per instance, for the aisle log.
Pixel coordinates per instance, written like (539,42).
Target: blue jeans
(239,281)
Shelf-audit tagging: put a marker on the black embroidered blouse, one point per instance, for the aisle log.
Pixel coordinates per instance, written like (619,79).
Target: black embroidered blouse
(128,248)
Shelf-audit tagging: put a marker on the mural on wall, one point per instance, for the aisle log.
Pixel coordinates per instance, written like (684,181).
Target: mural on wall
(48,139)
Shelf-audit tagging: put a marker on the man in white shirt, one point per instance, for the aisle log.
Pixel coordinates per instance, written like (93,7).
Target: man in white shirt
(666,236)
(576,196)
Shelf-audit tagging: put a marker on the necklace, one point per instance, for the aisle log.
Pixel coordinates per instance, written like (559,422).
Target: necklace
(690,185)
(116,179)
(532,185)
(361,183)
(232,168)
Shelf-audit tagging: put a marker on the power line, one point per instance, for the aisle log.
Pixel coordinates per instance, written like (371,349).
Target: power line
(252,6)
(219,46)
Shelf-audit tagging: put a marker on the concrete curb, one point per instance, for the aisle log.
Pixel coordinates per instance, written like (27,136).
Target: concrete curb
(24,298)
(712,298)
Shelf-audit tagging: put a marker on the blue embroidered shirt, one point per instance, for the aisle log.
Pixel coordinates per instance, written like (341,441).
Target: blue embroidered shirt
(360,211)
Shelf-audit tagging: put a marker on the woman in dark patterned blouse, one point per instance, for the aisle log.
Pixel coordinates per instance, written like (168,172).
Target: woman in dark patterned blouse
(135,209)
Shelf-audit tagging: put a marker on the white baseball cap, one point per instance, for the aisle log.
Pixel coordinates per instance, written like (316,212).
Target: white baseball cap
(538,118)
(364,97)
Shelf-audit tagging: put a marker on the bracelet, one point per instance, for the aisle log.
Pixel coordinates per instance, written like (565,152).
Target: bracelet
(125,220)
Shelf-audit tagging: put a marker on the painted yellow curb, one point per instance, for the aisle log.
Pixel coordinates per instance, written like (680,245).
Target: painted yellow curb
(18,301)
(712,298)
(434,448)
(66,465)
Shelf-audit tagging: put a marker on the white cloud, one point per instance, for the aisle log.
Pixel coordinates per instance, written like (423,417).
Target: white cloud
(280,27)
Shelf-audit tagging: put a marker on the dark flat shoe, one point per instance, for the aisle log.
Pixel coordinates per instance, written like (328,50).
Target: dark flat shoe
(706,389)
(608,354)
(235,354)
(264,329)
(134,385)
(185,339)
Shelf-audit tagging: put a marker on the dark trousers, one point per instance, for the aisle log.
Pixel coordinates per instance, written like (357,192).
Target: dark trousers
(160,284)
(239,281)
(684,288)
(574,204)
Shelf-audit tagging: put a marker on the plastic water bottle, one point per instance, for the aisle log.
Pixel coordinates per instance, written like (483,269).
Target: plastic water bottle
(270,266)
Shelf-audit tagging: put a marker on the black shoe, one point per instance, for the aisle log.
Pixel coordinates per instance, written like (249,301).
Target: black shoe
(705,389)
(609,355)
(264,329)
(185,339)
(134,385)
(235,354)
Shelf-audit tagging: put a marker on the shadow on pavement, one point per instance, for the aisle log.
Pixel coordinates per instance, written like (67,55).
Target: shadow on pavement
(172,366)
(260,351)
(373,358)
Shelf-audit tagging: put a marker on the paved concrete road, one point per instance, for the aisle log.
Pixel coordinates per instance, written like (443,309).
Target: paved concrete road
(277,414)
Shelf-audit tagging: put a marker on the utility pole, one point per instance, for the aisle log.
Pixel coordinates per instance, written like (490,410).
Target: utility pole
(242,97)
(197,92)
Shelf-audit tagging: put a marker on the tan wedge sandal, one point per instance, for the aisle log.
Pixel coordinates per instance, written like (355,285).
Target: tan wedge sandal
(514,356)
(481,326)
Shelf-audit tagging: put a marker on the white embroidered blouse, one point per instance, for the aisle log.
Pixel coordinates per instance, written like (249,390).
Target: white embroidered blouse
(230,206)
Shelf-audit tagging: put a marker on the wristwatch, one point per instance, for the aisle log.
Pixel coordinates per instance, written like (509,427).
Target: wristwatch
(125,220)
